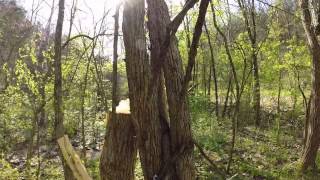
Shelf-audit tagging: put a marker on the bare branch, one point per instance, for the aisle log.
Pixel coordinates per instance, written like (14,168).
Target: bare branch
(194,46)
(85,36)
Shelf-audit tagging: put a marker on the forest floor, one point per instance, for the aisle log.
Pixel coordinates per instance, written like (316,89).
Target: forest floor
(269,152)
(257,155)
(260,153)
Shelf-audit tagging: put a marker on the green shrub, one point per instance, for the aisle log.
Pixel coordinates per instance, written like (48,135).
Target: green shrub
(7,172)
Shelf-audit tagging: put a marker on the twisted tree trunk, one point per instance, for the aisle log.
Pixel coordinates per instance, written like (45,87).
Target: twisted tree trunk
(144,108)
(181,166)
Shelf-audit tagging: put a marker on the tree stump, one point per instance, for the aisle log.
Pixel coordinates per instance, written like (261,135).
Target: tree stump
(119,150)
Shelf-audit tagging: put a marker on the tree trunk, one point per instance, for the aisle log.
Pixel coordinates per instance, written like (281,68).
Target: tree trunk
(248,11)
(313,135)
(115,62)
(213,67)
(256,89)
(227,96)
(209,81)
(237,87)
(83,97)
(119,152)
(279,93)
(195,76)
(120,148)
(278,120)
(144,109)
(31,143)
(180,127)
(58,109)
(204,80)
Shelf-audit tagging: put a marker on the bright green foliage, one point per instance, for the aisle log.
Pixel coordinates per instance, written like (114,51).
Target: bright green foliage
(7,172)
(268,152)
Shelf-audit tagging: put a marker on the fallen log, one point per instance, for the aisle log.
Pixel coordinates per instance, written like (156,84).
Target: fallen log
(72,159)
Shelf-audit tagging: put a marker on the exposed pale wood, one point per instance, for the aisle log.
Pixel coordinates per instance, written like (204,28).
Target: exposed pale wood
(119,152)
(72,159)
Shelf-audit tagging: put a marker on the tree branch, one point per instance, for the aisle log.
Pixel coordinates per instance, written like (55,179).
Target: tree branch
(85,36)
(171,31)
(194,47)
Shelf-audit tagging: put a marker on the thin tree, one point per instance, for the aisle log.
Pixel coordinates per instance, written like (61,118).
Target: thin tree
(236,82)
(115,62)
(58,104)
(247,7)
(213,68)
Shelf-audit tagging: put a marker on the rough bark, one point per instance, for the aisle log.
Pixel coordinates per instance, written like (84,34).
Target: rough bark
(144,109)
(164,120)
(119,150)
(168,38)
(176,86)
(120,146)
(313,126)
(158,16)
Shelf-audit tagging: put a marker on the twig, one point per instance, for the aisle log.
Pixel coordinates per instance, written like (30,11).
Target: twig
(232,177)
(85,36)
(221,173)
(278,8)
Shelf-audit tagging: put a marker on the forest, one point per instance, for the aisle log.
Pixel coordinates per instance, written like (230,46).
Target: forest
(159,89)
